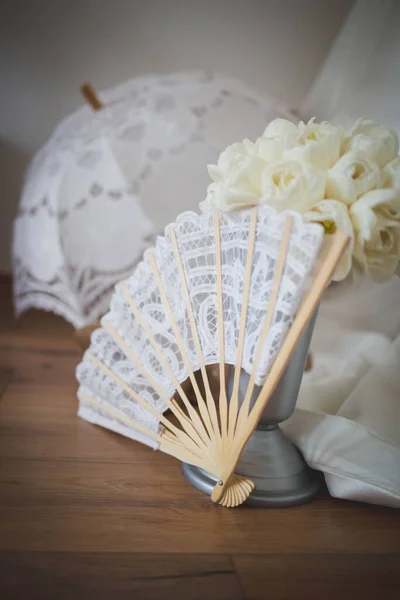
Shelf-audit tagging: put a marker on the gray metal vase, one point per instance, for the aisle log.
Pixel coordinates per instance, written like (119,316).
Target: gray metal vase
(269,459)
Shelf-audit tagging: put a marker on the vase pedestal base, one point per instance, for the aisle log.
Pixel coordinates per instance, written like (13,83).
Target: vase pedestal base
(276,467)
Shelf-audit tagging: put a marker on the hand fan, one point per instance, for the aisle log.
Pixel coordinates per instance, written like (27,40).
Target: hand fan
(219,288)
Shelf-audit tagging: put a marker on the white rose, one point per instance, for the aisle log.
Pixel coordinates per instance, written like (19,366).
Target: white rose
(281,128)
(207,204)
(289,184)
(370,139)
(391,174)
(270,149)
(229,160)
(351,177)
(278,137)
(334,216)
(376,220)
(317,143)
(239,188)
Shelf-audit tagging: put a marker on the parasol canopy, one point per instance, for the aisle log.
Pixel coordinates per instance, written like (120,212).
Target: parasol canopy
(108,180)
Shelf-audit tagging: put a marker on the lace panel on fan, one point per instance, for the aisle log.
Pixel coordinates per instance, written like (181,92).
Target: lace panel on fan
(197,249)
(98,384)
(196,241)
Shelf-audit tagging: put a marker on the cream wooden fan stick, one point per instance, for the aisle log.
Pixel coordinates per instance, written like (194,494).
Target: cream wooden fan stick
(329,261)
(167,443)
(234,399)
(212,411)
(182,435)
(186,402)
(177,411)
(328,264)
(279,270)
(200,401)
(223,400)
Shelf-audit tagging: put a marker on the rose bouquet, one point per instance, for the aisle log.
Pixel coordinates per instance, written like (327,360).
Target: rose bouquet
(347,181)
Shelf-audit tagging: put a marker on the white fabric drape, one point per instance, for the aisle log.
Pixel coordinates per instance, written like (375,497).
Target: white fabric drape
(361,76)
(347,422)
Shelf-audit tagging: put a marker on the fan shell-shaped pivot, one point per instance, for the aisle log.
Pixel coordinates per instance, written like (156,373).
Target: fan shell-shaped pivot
(237,490)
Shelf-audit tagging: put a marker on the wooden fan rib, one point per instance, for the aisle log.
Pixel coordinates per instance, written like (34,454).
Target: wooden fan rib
(170,437)
(223,401)
(184,455)
(234,400)
(180,451)
(146,405)
(320,281)
(121,417)
(308,306)
(209,397)
(168,446)
(279,271)
(107,371)
(200,401)
(129,353)
(197,423)
(177,411)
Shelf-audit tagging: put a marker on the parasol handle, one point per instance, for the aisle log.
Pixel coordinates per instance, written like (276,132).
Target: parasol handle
(91,97)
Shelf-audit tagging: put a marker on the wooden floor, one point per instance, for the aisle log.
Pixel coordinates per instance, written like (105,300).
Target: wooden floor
(85,513)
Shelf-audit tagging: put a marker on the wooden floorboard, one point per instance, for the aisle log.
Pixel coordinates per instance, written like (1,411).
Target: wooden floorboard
(85,513)
(319,577)
(117,576)
(5,376)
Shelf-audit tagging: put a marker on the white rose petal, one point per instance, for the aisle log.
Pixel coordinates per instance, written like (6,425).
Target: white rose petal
(231,154)
(250,147)
(372,140)
(334,216)
(351,177)
(380,260)
(270,149)
(281,184)
(376,220)
(230,159)
(207,204)
(391,174)
(318,144)
(292,185)
(278,137)
(240,188)
(374,209)
(282,129)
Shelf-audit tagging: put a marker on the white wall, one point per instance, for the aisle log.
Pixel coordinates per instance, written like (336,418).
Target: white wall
(48,47)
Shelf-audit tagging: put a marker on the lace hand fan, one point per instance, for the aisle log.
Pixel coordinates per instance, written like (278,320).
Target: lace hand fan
(219,288)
